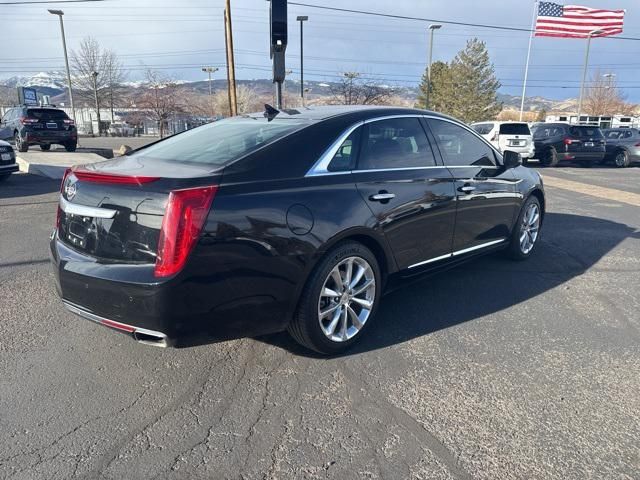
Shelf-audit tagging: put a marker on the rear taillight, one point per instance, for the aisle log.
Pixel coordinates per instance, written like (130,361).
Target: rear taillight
(183,220)
(68,121)
(568,141)
(99,177)
(67,172)
(637,144)
(28,121)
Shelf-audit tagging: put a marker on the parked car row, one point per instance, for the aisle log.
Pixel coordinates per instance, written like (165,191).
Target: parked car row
(553,143)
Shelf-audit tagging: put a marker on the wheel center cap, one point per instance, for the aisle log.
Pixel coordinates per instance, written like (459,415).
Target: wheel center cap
(345,298)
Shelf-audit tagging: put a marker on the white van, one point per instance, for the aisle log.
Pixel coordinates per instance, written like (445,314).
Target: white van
(514,136)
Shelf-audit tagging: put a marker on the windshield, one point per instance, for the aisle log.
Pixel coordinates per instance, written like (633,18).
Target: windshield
(514,129)
(221,142)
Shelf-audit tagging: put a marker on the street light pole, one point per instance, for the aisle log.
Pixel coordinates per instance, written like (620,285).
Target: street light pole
(302,19)
(584,72)
(433,27)
(94,75)
(60,13)
(210,70)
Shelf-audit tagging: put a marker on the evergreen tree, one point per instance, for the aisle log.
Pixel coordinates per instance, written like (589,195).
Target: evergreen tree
(466,88)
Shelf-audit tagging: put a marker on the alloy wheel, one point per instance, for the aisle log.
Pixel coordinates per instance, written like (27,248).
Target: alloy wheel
(347,299)
(620,159)
(530,228)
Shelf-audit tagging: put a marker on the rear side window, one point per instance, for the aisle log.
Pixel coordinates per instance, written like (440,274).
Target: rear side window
(460,147)
(514,129)
(395,143)
(46,114)
(585,132)
(483,128)
(547,131)
(219,143)
(345,158)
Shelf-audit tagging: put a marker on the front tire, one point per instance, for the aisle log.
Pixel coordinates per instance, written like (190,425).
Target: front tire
(621,159)
(526,232)
(339,300)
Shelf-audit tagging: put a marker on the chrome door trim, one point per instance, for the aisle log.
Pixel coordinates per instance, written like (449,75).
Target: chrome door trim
(321,166)
(85,211)
(457,252)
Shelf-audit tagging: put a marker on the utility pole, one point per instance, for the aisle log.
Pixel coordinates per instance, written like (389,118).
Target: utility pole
(60,13)
(94,75)
(231,68)
(584,72)
(278,44)
(302,19)
(210,70)
(433,27)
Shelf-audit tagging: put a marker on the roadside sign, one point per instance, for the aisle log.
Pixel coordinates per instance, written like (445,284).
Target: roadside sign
(27,96)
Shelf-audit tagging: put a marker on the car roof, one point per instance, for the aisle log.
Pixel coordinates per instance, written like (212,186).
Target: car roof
(319,113)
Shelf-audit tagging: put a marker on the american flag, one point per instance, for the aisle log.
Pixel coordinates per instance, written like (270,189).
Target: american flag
(573,21)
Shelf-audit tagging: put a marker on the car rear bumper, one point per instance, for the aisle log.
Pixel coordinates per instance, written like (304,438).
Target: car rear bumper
(582,156)
(51,136)
(201,304)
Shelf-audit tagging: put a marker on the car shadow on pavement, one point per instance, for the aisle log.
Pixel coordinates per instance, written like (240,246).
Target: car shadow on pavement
(570,245)
(26,185)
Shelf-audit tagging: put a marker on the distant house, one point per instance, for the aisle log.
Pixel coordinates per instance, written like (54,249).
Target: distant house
(615,121)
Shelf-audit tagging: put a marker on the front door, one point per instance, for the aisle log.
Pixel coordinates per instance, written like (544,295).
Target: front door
(411,196)
(486,193)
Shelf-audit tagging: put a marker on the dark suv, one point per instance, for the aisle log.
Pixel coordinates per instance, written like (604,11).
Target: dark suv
(556,142)
(42,126)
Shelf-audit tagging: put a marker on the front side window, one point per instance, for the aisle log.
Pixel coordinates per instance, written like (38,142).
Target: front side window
(221,142)
(395,143)
(460,147)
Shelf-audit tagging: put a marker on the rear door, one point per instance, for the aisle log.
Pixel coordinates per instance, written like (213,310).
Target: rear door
(586,140)
(514,136)
(409,192)
(485,191)
(50,122)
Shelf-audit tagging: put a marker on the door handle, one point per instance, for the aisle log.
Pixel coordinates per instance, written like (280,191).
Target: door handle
(382,197)
(467,188)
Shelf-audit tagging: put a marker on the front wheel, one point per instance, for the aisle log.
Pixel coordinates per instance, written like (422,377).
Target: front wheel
(526,232)
(339,300)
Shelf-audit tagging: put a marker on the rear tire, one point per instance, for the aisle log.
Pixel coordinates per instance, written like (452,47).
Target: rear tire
(20,145)
(45,148)
(70,146)
(345,316)
(549,157)
(526,232)
(621,160)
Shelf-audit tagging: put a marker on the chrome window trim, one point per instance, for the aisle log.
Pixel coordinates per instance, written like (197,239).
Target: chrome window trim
(85,211)
(320,168)
(458,252)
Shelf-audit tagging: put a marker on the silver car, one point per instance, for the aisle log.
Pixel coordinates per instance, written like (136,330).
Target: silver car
(623,146)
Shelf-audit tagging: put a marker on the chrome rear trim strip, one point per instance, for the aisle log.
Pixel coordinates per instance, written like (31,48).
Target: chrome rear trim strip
(457,252)
(85,211)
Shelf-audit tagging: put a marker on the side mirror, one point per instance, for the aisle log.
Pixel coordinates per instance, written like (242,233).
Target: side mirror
(511,159)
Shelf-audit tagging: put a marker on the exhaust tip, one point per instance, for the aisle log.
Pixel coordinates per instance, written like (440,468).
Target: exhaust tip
(150,339)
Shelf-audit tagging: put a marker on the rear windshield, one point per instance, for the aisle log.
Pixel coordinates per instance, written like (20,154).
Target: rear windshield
(46,114)
(514,129)
(585,132)
(220,142)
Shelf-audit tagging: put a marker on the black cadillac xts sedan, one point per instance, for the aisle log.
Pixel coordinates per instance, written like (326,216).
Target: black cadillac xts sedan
(290,220)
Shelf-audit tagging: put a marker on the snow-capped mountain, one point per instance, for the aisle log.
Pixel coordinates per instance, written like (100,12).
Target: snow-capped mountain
(52,80)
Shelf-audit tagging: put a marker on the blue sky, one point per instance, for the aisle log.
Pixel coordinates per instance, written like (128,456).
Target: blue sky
(180,36)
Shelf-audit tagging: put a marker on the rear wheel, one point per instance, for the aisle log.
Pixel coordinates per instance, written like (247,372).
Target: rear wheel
(549,157)
(621,159)
(526,231)
(45,148)
(21,146)
(70,146)
(339,300)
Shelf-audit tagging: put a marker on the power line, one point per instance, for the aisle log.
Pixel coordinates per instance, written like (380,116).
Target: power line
(50,1)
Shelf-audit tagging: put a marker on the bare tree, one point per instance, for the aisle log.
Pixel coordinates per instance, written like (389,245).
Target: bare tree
(161,99)
(8,96)
(603,96)
(248,101)
(353,90)
(114,77)
(89,65)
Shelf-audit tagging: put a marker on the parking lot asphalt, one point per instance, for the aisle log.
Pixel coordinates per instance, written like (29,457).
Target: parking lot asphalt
(492,370)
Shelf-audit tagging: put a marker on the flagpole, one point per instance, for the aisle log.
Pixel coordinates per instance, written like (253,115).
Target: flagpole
(526,68)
